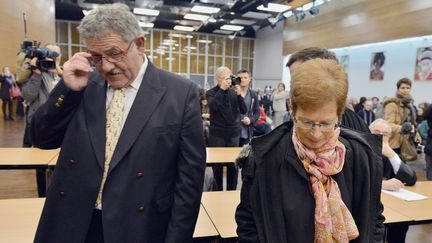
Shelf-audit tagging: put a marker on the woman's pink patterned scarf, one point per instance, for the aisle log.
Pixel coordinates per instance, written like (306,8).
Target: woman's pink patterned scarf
(333,220)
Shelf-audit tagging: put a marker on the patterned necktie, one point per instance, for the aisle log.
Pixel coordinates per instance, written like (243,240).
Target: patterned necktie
(114,116)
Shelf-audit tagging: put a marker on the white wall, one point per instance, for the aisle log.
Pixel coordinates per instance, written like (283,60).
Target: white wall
(400,62)
(268,56)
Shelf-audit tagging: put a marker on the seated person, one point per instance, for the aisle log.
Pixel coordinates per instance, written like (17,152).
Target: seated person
(395,172)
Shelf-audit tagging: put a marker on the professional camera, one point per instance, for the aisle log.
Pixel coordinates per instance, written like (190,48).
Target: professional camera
(235,80)
(32,50)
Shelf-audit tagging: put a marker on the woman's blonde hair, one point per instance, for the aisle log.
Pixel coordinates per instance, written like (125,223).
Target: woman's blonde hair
(318,81)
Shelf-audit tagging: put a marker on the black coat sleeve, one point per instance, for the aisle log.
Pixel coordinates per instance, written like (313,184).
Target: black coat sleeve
(406,175)
(246,227)
(255,109)
(241,104)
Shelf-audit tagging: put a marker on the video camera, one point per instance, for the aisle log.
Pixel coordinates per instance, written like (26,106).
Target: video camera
(235,80)
(32,50)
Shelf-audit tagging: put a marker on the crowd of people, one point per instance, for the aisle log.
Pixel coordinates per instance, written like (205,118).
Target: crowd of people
(315,160)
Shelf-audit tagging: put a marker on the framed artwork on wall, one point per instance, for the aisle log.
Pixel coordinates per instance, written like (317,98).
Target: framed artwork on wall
(423,68)
(377,66)
(344,61)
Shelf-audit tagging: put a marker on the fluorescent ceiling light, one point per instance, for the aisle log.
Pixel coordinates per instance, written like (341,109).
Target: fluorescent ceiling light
(203,9)
(225,32)
(146,25)
(274,7)
(242,22)
(199,17)
(287,14)
(231,27)
(184,28)
(307,6)
(256,15)
(146,11)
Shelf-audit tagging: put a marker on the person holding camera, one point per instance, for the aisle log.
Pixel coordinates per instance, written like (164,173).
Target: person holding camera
(45,66)
(250,98)
(400,113)
(226,104)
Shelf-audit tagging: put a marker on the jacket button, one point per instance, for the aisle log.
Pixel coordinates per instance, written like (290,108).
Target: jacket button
(72,161)
(62,194)
(57,104)
(62,96)
(141,209)
(139,174)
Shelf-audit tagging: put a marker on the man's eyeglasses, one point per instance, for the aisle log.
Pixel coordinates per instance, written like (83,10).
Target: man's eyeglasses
(309,125)
(112,57)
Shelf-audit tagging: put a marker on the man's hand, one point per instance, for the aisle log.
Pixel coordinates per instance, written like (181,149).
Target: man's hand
(237,89)
(392,184)
(246,121)
(76,71)
(387,151)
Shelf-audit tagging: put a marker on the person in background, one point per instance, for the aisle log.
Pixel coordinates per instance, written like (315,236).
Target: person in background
(360,105)
(132,160)
(279,97)
(396,174)
(366,113)
(6,81)
(226,105)
(250,98)
(349,117)
(310,180)
(261,125)
(399,112)
(375,103)
(428,146)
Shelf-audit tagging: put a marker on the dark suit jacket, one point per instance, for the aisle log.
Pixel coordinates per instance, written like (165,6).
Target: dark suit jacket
(153,189)
(277,203)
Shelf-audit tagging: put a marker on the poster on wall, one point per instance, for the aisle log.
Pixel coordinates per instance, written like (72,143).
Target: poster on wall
(344,61)
(423,68)
(377,66)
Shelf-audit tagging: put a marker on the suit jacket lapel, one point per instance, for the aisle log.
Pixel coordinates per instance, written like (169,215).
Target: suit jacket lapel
(94,105)
(146,101)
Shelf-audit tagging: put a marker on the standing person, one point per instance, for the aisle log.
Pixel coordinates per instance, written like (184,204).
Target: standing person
(6,81)
(349,117)
(399,112)
(226,104)
(35,92)
(428,146)
(250,98)
(366,113)
(310,180)
(131,166)
(279,97)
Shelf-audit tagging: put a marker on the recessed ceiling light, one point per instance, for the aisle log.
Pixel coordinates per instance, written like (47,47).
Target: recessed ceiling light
(204,9)
(231,27)
(256,15)
(146,11)
(242,22)
(184,28)
(199,17)
(274,7)
(205,41)
(225,32)
(146,25)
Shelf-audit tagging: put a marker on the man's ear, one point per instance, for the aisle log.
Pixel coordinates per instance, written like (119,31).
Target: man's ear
(140,43)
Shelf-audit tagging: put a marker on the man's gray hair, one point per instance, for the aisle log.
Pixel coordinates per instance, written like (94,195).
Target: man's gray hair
(110,18)
(380,121)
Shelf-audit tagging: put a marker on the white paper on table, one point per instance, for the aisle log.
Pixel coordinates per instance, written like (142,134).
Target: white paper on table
(405,195)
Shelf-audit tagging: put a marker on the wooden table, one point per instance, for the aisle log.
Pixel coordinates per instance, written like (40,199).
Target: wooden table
(26,158)
(222,155)
(221,207)
(19,219)
(420,212)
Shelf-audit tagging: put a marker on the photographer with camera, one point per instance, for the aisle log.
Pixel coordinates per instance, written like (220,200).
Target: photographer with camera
(45,72)
(226,104)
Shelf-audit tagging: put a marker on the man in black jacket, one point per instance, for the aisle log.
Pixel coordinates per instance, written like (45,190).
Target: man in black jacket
(247,120)
(395,174)
(226,104)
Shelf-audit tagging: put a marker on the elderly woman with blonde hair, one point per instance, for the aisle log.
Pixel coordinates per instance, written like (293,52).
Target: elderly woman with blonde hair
(310,180)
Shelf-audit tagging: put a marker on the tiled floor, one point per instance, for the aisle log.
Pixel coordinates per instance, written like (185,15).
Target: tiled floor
(22,183)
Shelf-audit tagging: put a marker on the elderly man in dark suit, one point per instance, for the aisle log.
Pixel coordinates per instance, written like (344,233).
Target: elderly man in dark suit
(132,159)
